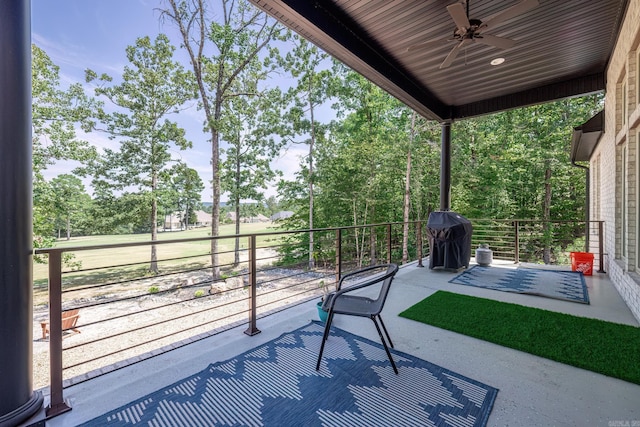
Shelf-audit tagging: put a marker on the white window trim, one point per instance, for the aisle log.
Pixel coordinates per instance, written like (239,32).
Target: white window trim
(625,112)
(624,217)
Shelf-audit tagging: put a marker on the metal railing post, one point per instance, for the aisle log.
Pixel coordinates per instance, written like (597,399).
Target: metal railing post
(419,243)
(252,329)
(517,238)
(389,243)
(58,405)
(338,254)
(601,247)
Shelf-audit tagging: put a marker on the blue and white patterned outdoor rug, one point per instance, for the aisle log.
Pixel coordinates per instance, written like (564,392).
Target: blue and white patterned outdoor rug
(564,285)
(276,384)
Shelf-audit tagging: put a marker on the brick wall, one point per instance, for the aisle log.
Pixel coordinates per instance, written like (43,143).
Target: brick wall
(618,133)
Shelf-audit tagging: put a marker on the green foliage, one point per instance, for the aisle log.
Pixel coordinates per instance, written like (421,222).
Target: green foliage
(360,165)
(128,213)
(272,206)
(179,190)
(199,293)
(515,165)
(55,114)
(499,162)
(220,50)
(71,203)
(509,165)
(154,290)
(151,88)
(251,122)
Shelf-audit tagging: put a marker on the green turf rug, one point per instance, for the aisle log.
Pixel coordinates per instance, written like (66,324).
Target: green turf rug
(608,348)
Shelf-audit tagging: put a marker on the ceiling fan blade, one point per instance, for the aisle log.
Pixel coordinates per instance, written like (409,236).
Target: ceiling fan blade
(454,52)
(426,44)
(459,16)
(499,42)
(505,15)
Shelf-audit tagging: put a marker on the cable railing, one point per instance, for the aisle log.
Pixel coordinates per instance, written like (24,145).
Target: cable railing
(540,242)
(128,314)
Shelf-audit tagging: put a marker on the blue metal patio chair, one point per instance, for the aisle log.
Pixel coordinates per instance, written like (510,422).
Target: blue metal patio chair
(340,302)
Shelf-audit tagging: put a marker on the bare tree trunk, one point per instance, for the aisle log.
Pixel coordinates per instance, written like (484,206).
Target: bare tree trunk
(215,184)
(373,241)
(407,194)
(418,209)
(194,44)
(356,234)
(153,266)
(311,144)
(186,216)
(193,25)
(546,214)
(236,260)
(68,228)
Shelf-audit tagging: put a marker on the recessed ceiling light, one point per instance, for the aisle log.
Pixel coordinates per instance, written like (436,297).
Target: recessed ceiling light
(497,61)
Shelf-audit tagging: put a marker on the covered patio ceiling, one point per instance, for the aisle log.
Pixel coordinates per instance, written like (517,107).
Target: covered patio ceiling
(562,49)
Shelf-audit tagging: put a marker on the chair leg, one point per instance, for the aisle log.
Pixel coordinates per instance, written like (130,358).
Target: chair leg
(384,343)
(327,327)
(385,331)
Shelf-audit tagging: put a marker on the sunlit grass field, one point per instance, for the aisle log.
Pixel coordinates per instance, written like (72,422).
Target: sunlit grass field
(98,265)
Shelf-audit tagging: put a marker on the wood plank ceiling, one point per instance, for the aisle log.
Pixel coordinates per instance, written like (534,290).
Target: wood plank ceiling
(562,49)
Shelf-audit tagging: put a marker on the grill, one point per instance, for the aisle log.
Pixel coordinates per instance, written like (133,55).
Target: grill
(449,240)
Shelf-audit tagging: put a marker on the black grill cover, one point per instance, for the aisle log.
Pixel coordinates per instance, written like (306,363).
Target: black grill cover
(449,240)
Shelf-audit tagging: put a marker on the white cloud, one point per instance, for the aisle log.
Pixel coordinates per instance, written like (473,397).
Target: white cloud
(289,160)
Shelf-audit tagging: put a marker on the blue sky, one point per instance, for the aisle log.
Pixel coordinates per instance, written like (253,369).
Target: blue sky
(80,34)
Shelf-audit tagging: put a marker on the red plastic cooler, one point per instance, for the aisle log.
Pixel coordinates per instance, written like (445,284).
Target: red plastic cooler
(583,262)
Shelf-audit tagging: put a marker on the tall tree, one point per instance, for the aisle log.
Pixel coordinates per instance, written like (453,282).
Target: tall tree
(407,191)
(250,122)
(56,112)
(509,165)
(375,125)
(219,49)
(123,214)
(311,91)
(153,87)
(181,189)
(272,206)
(70,199)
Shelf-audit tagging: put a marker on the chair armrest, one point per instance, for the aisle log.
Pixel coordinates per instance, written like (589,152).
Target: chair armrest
(362,270)
(333,296)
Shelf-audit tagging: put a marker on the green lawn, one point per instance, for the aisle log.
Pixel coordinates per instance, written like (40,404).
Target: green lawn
(608,348)
(226,229)
(101,259)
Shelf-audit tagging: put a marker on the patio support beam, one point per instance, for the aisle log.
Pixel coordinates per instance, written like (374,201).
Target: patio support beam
(18,402)
(445,167)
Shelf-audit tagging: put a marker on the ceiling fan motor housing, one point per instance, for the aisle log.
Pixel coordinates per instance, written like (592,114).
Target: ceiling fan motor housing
(469,33)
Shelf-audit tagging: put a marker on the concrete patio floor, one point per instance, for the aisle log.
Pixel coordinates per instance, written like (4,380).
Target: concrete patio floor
(533,391)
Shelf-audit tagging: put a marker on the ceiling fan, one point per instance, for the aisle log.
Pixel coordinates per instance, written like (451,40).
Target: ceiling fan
(469,31)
